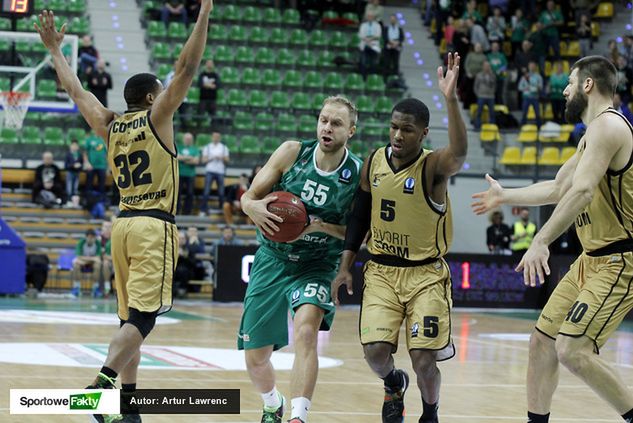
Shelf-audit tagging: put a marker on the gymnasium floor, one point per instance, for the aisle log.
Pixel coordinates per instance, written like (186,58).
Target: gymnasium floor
(483,383)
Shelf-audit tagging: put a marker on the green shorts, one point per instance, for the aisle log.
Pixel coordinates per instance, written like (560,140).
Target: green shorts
(277,285)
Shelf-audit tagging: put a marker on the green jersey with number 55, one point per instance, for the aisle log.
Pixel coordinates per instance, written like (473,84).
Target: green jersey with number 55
(142,167)
(326,195)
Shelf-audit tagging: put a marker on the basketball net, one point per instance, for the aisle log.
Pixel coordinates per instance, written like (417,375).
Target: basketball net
(14,104)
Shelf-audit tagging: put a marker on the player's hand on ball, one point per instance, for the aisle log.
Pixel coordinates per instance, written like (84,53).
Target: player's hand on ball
(261,217)
(344,277)
(51,38)
(488,200)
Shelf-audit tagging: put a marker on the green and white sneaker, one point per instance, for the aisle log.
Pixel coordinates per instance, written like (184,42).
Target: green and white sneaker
(274,415)
(104,382)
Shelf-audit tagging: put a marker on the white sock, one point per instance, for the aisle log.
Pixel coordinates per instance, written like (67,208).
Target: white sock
(300,407)
(272,399)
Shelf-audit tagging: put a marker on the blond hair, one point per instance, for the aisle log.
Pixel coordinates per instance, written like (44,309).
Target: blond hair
(351,107)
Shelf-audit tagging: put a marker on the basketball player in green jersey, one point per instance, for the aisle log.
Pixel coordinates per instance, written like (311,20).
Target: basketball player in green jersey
(403,201)
(297,275)
(142,156)
(594,189)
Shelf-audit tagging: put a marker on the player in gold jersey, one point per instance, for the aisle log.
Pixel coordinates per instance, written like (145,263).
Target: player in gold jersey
(594,189)
(403,201)
(142,156)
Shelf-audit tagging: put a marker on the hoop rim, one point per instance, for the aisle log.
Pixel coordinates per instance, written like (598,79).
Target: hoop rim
(15,94)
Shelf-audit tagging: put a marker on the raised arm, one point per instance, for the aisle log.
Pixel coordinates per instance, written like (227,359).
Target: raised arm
(97,116)
(448,161)
(186,68)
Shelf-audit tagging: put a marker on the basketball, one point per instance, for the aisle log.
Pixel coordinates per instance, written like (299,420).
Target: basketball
(292,210)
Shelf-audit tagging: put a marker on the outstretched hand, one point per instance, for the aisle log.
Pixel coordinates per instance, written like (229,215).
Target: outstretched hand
(448,82)
(487,200)
(51,38)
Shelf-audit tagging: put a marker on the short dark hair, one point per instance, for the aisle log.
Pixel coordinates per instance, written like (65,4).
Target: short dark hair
(415,108)
(91,232)
(601,70)
(74,141)
(138,86)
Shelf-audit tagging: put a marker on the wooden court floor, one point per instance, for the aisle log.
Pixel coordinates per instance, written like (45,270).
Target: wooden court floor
(484,382)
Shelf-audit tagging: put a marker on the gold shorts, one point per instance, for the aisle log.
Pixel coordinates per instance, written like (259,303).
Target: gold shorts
(591,299)
(144,255)
(421,295)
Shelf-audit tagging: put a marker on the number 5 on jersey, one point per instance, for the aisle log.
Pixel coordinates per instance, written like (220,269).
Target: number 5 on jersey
(314,192)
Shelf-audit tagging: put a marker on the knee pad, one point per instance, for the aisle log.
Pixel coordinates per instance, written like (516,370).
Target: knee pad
(143,320)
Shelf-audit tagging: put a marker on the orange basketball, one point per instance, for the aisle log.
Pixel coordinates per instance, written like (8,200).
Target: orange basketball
(292,210)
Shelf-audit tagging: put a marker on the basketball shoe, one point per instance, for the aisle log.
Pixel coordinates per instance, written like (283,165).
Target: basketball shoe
(274,415)
(104,382)
(296,420)
(393,407)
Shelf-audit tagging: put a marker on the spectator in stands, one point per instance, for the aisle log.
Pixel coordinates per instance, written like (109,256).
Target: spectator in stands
(228,237)
(625,79)
(499,65)
(374,8)
(184,268)
(627,50)
(498,235)
(88,54)
(461,41)
(193,10)
(555,87)
(99,82)
(622,108)
(496,26)
(106,258)
(370,35)
(208,82)
(522,234)
(501,4)
(552,19)
(449,33)
(583,32)
(87,260)
(48,188)
(520,27)
(583,7)
(472,13)
(96,164)
(477,34)
(174,9)
(442,12)
(234,194)
(393,41)
(215,156)
(188,159)
(73,164)
(530,85)
(612,51)
(195,245)
(539,45)
(485,84)
(523,57)
(474,64)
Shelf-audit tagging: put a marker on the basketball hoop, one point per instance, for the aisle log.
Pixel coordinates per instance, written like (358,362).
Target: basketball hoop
(14,104)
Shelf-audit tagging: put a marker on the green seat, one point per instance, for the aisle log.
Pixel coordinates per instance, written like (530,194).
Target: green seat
(57,5)
(193,95)
(5,84)
(354,82)
(237,34)
(338,40)
(229,75)
(285,57)
(76,134)
(8,136)
(301,101)
(220,100)
(243,122)
(313,80)
(217,33)
(229,12)
(175,53)
(53,136)
(163,70)
(271,78)
(26,25)
(330,15)
(177,31)
(298,38)
(383,105)
(286,123)
(279,100)
(244,54)
(271,16)
(156,30)
(160,51)
(258,35)
(251,15)
(317,101)
(326,59)
(364,104)
(265,56)
(357,147)
(353,41)
(149,7)
(306,59)
(270,145)
(23,47)
(249,144)
(223,54)
(333,82)
(46,88)
(203,139)
(236,98)
(317,39)
(4,46)
(230,141)
(291,17)
(263,122)
(5,24)
(79,25)
(77,7)
(278,37)
(31,135)
(307,124)
(207,54)
(292,79)
(250,76)
(258,99)
(372,127)
(375,83)
(351,18)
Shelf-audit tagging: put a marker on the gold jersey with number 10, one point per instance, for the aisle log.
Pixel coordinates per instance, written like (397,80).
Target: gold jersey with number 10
(145,171)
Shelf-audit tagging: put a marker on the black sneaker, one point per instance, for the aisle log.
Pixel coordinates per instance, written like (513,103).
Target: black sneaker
(131,418)
(435,420)
(393,407)
(104,382)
